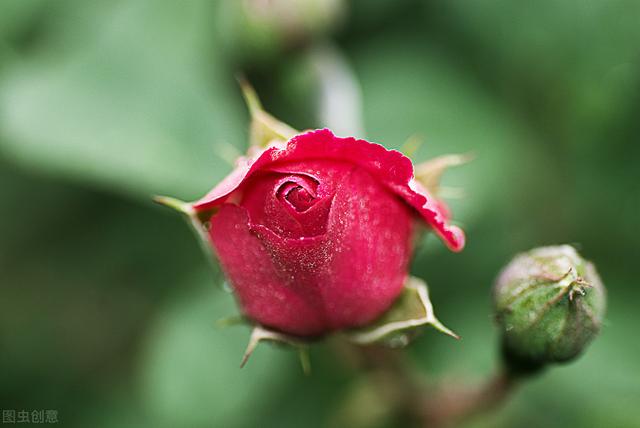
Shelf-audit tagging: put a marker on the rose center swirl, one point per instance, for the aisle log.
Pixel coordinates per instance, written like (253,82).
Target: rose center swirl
(299,192)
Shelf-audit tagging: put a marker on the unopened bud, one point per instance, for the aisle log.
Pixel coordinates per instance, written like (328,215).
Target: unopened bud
(549,304)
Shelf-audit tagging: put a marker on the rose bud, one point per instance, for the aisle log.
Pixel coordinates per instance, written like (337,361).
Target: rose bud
(315,233)
(257,29)
(549,305)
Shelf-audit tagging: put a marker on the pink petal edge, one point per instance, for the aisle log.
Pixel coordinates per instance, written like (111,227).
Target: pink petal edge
(390,167)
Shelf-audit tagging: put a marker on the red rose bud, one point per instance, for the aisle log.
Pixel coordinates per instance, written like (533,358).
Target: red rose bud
(315,234)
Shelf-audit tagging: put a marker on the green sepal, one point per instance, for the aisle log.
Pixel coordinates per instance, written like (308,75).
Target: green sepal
(197,220)
(265,129)
(410,313)
(429,173)
(259,334)
(412,145)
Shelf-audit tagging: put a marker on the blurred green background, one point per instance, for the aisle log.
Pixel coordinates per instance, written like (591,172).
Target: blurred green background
(108,307)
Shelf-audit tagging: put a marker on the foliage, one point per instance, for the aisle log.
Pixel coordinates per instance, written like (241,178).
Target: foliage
(107,306)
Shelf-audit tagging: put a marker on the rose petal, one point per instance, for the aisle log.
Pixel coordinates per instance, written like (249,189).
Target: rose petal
(263,290)
(264,208)
(298,192)
(391,168)
(344,278)
(371,230)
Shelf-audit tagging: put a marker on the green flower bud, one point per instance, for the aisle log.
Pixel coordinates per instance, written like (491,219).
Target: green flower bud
(549,305)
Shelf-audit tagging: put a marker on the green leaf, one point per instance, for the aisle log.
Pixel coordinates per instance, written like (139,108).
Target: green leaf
(136,101)
(575,62)
(190,374)
(411,312)
(16,16)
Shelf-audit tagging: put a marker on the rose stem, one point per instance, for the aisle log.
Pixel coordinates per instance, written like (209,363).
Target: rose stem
(451,405)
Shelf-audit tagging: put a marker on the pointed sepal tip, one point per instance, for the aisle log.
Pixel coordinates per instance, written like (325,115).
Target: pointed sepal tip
(175,204)
(411,311)
(260,333)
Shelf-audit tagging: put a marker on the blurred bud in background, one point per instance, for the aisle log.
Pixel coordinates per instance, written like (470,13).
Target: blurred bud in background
(261,28)
(549,305)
